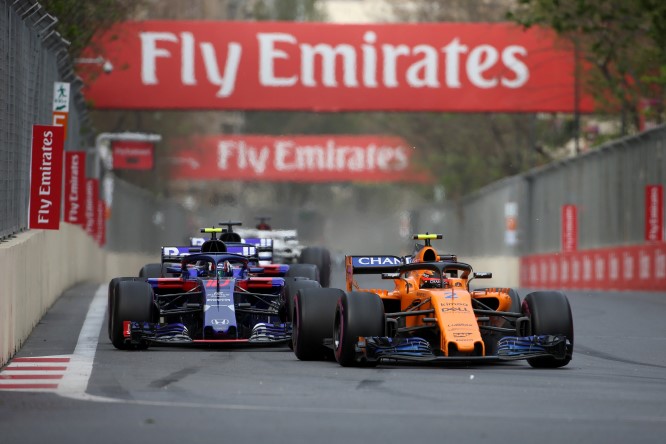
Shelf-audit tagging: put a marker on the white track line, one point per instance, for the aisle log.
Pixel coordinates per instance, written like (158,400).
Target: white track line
(75,381)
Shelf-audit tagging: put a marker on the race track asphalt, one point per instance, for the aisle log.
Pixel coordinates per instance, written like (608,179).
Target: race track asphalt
(614,390)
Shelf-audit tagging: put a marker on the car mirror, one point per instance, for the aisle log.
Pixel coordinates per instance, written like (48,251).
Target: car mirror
(482,275)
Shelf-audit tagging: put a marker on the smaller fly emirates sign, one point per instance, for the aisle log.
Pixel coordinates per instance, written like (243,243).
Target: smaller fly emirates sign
(468,67)
(318,158)
(46,176)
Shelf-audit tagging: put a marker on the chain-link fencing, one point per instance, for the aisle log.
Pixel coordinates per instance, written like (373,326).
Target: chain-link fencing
(142,222)
(32,56)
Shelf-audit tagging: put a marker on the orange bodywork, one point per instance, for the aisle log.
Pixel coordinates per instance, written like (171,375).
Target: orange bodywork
(449,309)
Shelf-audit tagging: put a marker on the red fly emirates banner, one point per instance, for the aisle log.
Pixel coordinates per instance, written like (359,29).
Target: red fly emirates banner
(75,193)
(569,228)
(91,224)
(654,213)
(460,67)
(295,159)
(639,267)
(132,155)
(46,176)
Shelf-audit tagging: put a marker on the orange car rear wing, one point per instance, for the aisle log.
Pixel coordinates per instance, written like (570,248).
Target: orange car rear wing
(370,265)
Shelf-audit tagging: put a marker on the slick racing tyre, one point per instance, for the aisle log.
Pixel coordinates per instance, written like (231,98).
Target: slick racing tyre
(358,313)
(515,308)
(515,301)
(550,314)
(320,257)
(309,271)
(113,289)
(165,270)
(151,271)
(133,301)
(291,287)
(314,311)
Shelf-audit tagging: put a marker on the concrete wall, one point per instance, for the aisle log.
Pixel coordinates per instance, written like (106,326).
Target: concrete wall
(37,266)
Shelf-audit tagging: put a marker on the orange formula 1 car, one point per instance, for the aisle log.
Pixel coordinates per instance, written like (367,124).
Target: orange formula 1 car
(430,315)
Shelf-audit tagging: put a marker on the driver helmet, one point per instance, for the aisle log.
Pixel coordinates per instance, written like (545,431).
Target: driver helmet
(225,269)
(429,280)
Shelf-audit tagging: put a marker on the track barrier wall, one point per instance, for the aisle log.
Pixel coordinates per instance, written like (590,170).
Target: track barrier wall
(636,267)
(515,229)
(39,265)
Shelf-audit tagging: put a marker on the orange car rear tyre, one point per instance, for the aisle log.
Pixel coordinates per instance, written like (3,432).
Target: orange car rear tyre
(550,314)
(291,287)
(358,313)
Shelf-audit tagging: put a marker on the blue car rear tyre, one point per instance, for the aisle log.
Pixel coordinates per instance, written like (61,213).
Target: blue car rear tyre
(314,311)
(151,271)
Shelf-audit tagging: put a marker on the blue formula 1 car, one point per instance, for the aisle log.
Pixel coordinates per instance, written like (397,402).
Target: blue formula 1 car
(217,296)
(259,252)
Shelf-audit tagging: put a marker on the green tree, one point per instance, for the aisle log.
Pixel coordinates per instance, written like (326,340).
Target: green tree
(298,10)
(624,41)
(80,20)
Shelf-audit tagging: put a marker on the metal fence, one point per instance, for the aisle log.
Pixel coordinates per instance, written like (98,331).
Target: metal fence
(142,222)
(32,56)
(606,184)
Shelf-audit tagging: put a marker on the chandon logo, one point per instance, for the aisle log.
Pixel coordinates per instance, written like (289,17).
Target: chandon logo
(378,260)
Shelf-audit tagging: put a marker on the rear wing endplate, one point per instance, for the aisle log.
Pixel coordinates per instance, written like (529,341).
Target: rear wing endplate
(370,265)
(176,254)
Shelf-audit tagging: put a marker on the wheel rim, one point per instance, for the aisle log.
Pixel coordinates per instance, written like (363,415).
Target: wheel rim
(295,324)
(337,330)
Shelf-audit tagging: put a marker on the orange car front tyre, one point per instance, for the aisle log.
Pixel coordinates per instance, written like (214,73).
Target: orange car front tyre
(358,313)
(550,314)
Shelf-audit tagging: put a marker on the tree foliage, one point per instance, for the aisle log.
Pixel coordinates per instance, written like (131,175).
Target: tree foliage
(298,10)
(80,20)
(624,41)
